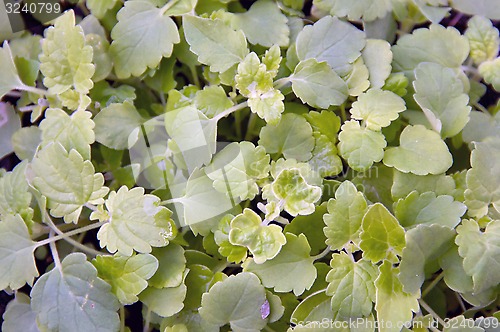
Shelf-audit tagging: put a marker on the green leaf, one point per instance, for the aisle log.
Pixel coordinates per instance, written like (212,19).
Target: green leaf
(172,264)
(14,195)
(440,93)
(481,126)
(316,84)
(326,123)
(25,142)
(421,151)
(405,183)
(377,56)
(344,217)
(426,208)
(311,226)
(72,132)
(480,252)
(291,270)
(180,7)
(234,253)
(483,179)
(253,79)
(329,39)
(126,275)
(115,123)
(424,245)
(9,124)
(212,100)
(382,236)
(236,169)
(488,8)
(268,106)
(358,78)
(71,297)
(102,58)
(368,10)
(455,276)
(99,8)
(445,46)
(263,24)
(483,39)
(325,159)
(393,305)
(292,138)
(216,44)
(461,324)
(490,70)
(244,296)
(19,316)
(9,79)
(360,146)
(263,241)
(351,286)
(191,319)
(377,108)
(66,61)
(135,222)
(141,26)
(165,302)
(76,182)
(16,253)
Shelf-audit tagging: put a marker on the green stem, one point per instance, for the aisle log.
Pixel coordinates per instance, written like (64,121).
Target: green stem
(322,254)
(433,284)
(343,113)
(194,73)
(230,110)
(267,328)
(147,320)
(53,250)
(167,6)
(432,312)
(278,84)
(122,319)
(32,89)
(251,123)
(68,234)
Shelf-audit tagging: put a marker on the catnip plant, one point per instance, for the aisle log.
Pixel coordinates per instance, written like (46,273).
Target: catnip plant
(215,165)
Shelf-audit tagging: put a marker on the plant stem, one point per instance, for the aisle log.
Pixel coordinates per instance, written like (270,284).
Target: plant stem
(432,312)
(68,234)
(433,284)
(251,123)
(343,113)
(230,110)
(322,254)
(53,250)
(278,84)
(122,319)
(32,89)
(194,73)
(147,320)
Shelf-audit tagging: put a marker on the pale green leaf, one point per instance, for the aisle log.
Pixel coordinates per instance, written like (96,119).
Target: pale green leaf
(311,226)
(316,84)
(141,26)
(360,146)
(236,169)
(165,302)
(397,83)
(351,286)
(268,106)
(483,179)
(367,10)
(263,24)
(421,151)
(71,297)
(394,306)
(405,183)
(329,39)
(253,79)
(72,132)
(115,123)
(382,236)
(426,208)
(234,253)
(216,44)
(127,275)
(377,56)
(99,8)
(291,270)
(102,58)
(272,60)
(483,39)
(344,217)
(445,46)
(481,126)
(25,142)
(462,324)
(136,222)
(66,61)
(377,108)
(180,7)
(172,264)
(325,160)
(212,100)
(14,195)
(292,138)
(191,319)
(326,123)
(455,276)
(16,253)
(358,78)
(9,124)
(487,8)
(480,252)
(18,315)
(440,93)
(67,180)
(424,245)
(263,241)
(9,79)
(490,70)
(243,297)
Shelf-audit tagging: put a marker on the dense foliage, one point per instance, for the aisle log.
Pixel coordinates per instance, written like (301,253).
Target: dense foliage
(277,165)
